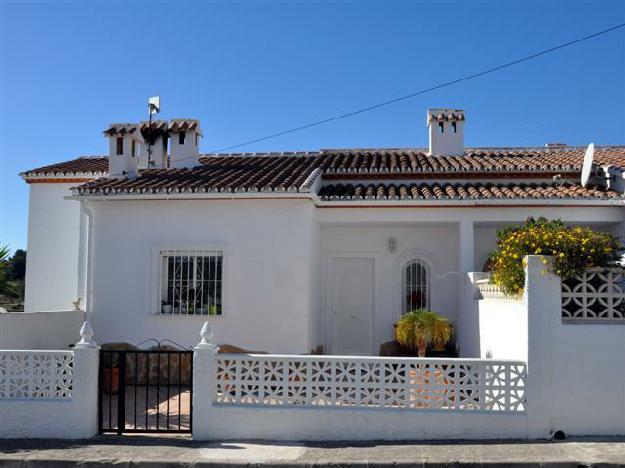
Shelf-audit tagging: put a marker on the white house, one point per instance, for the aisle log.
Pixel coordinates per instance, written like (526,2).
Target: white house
(289,252)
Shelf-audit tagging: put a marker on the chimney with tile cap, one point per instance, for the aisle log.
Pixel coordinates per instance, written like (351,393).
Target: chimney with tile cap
(446,131)
(157,135)
(124,142)
(185,137)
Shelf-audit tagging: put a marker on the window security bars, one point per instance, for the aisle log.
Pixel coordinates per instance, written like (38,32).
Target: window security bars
(400,383)
(36,374)
(191,282)
(595,296)
(415,285)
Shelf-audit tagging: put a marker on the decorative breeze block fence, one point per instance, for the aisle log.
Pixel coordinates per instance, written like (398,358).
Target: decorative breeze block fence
(36,374)
(401,383)
(596,295)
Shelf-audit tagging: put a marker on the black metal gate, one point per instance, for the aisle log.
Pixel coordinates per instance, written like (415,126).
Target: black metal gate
(145,391)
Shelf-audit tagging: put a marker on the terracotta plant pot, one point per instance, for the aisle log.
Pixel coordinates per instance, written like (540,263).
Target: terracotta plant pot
(422,393)
(111,379)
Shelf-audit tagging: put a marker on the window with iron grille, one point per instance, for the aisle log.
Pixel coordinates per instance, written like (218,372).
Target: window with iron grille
(416,282)
(191,282)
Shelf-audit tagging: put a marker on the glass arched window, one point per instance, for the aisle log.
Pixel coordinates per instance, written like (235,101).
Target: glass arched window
(416,286)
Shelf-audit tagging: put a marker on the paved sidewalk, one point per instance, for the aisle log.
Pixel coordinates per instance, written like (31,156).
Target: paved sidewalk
(142,451)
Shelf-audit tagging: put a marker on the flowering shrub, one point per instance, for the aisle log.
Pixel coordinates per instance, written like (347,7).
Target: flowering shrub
(573,250)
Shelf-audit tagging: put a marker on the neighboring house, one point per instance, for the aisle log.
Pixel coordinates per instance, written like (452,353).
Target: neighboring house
(286,252)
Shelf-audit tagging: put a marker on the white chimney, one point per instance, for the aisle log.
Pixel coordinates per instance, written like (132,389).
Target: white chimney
(185,137)
(446,130)
(157,135)
(124,142)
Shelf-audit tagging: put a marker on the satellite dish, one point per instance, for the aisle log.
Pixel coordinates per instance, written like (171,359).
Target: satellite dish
(587,166)
(154,104)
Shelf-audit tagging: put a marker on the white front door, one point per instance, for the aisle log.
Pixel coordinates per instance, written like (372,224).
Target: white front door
(352,280)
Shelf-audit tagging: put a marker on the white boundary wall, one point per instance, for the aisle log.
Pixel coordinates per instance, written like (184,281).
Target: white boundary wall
(39,330)
(281,420)
(576,371)
(575,383)
(30,405)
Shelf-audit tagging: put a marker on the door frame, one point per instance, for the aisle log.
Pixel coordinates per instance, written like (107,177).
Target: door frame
(330,297)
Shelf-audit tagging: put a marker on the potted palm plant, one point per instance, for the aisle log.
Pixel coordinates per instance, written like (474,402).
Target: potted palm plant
(420,329)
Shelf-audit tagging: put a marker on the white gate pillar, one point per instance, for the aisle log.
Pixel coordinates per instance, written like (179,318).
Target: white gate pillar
(85,391)
(543,300)
(204,382)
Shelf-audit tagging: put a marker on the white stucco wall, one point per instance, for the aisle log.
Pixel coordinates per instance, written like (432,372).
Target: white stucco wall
(338,424)
(437,245)
(503,329)
(267,270)
(39,330)
(53,245)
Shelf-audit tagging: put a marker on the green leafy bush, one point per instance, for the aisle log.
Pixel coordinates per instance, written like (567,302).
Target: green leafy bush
(573,250)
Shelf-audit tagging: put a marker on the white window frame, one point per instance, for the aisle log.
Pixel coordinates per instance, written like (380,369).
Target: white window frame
(192,249)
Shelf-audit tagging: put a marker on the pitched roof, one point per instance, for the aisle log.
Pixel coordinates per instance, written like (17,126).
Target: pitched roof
(296,172)
(474,160)
(461,191)
(405,161)
(82,166)
(217,174)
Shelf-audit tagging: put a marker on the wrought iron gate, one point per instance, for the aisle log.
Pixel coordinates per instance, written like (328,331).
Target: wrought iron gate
(145,391)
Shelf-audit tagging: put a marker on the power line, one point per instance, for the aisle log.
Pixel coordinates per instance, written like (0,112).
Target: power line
(423,91)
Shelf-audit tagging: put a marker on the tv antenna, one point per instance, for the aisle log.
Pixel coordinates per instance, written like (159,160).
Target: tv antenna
(154,107)
(588,164)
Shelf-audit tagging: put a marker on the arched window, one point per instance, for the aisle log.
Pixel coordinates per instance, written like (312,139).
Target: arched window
(415,286)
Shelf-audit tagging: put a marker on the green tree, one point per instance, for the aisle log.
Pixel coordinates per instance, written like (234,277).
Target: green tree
(17,269)
(5,287)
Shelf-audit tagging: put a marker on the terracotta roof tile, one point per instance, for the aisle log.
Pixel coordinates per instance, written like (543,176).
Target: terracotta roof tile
(79,166)
(297,172)
(216,174)
(121,128)
(442,115)
(464,191)
(474,160)
(182,125)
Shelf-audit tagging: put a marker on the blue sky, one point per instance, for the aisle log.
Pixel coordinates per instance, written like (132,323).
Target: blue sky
(255,68)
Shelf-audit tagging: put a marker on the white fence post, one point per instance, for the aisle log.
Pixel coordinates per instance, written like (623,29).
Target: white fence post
(85,393)
(204,382)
